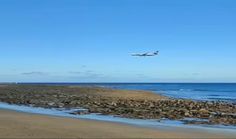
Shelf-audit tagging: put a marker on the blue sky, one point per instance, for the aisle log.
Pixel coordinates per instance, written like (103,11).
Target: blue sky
(91,40)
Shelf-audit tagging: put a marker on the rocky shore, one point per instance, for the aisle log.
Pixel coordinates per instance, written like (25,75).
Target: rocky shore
(129,104)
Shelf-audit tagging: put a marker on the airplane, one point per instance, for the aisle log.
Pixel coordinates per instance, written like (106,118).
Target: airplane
(146,54)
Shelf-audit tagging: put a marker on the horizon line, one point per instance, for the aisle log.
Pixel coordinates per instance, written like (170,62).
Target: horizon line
(117,82)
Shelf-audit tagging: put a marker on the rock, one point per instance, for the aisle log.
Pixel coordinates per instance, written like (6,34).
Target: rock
(51,103)
(203,111)
(151,105)
(73,102)
(113,103)
(187,114)
(80,112)
(60,105)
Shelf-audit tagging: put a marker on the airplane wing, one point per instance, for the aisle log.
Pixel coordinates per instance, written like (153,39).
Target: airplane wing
(135,54)
(145,54)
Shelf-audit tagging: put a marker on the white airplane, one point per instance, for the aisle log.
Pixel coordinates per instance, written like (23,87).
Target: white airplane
(146,54)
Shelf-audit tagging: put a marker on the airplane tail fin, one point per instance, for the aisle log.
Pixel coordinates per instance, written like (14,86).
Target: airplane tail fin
(156,53)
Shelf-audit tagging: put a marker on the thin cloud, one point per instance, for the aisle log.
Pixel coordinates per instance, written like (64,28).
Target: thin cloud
(75,72)
(87,74)
(34,73)
(195,74)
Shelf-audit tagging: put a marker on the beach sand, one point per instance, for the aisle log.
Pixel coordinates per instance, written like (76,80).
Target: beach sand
(24,125)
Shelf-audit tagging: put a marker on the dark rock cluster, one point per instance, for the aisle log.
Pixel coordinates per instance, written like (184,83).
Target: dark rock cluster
(65,97)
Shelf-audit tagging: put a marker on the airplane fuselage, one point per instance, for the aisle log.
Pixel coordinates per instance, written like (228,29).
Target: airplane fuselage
(146,54)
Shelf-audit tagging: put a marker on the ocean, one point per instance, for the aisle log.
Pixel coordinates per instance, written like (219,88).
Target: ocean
(195,91)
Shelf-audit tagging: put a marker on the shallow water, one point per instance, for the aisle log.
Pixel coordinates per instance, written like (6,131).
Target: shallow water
(161,124)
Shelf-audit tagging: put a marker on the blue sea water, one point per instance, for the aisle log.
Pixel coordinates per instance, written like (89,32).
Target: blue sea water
(195,91)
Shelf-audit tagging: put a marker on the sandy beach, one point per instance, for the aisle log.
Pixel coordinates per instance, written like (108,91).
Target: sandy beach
(23,125)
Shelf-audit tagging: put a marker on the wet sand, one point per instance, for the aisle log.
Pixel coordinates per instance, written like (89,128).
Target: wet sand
(23,125)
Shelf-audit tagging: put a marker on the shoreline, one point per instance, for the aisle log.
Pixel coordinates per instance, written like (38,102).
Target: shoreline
(19,124)
(138,112)
(148,123)
(122,103)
